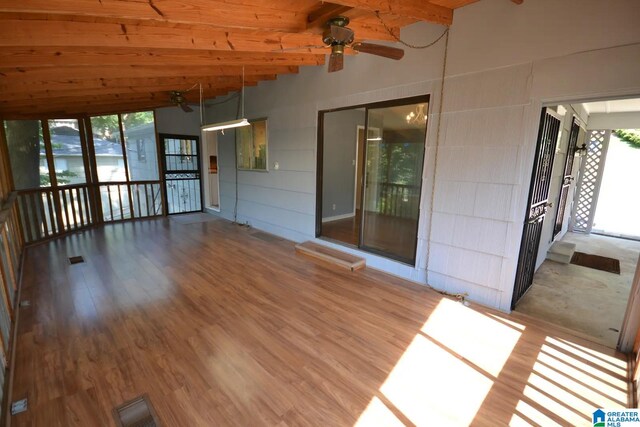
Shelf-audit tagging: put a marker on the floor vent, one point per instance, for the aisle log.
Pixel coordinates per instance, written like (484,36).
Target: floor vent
(266,237)
(136,413)
(18,406)
(76,260)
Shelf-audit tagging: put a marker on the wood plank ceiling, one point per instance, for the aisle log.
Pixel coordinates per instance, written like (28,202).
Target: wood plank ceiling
(69,57)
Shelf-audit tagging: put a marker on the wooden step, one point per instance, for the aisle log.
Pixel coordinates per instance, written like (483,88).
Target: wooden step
(331,256)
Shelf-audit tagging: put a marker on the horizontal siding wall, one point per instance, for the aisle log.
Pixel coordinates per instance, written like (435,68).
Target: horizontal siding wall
(493,96)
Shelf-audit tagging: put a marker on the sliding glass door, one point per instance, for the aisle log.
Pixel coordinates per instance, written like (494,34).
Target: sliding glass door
(370,176)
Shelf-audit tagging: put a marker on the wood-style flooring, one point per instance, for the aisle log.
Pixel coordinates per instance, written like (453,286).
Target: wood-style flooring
(395,236)
(221,328)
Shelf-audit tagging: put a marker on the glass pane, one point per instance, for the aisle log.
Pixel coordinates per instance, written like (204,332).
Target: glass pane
(394,158)
(27,154)
(106,143)
(343,148)
(67,151)
(140,142)
(251,143)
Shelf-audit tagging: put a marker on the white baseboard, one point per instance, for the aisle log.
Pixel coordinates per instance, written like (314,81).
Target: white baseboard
(338,217)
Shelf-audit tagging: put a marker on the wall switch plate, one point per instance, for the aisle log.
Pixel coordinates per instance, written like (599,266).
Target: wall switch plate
(334,206)
(276,166)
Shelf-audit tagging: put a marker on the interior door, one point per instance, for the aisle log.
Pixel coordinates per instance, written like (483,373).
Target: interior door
(538,202)
(567,177)
(182,177)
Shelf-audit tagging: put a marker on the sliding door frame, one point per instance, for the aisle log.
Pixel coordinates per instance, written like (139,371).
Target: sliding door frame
(320,167)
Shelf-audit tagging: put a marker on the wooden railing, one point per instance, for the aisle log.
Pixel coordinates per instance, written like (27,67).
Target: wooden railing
(122,200)
(11,246)
(50,212)
(398,200)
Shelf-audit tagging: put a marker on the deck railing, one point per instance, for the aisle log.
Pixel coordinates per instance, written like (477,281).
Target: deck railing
(11,245)
(398,200)
(50,212)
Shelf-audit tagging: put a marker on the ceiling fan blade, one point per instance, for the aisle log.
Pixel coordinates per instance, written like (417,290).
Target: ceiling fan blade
(379,50)
(341,34)
(186,108)
(336,62)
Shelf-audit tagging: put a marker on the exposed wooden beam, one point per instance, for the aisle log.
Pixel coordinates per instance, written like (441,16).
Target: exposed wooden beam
(65,56)
(72,99)
(420,10)
(46,32)
(452,4)
(171,83)
(31,75)
(191,91)
(518,1)
(204,12)
(319,17)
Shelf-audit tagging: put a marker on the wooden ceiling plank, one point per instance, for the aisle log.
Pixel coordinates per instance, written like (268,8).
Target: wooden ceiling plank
(111,98)
(35,32)
(175,83)
(64,56)
(420,10)
(318,18)
(203,12)
(452,4)
(32,75)
(53,94)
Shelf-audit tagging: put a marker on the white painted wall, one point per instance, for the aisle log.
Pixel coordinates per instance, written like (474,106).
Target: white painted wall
(505,61)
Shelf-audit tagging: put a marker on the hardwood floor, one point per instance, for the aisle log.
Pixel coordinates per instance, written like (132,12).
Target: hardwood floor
(222,328)
(395,236)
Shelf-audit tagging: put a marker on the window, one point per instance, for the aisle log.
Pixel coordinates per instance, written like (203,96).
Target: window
(140,143)
(27,154)
(108,148)
(66,148)
(251,146)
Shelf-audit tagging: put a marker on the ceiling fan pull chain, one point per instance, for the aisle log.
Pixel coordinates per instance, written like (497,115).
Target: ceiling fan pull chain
(409,45)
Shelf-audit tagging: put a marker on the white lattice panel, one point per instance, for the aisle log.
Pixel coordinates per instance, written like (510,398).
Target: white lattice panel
(590,178)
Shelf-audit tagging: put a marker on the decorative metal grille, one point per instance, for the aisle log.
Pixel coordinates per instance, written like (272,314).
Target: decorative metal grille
(590,178)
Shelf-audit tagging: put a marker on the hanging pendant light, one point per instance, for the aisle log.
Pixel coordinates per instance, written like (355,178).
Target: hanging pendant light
(231,123)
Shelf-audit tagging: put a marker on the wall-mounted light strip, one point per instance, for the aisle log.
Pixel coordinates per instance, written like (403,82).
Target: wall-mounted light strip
(226,125)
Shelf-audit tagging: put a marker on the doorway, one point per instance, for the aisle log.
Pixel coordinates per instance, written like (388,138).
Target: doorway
(182,177)
(568,274)
(369,176)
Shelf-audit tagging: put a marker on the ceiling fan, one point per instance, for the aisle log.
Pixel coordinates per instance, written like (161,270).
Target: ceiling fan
(338,36)
(177,98)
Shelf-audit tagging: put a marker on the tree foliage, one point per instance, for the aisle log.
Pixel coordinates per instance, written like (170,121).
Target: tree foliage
(107,127)
(630,136)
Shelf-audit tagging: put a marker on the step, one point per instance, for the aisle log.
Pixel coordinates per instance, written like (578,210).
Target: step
(331,256)
(561,252)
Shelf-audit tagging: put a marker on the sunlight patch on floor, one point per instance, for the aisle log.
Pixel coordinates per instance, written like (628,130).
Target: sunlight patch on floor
(430,386)
(526,415)
(483,341)
(377,414)
(448,370)
(617,380)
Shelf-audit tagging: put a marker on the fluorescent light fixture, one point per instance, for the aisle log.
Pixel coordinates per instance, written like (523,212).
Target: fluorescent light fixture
(379,138)
(225,125)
